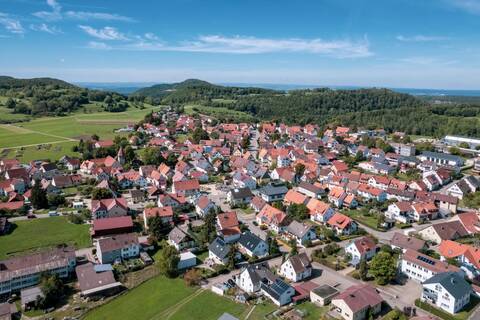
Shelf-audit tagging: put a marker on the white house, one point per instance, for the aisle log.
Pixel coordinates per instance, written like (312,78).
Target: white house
(301,232)
(278,291)
(296,268)
(117,248)
(360,248)
(252,245)
(420,267)
(448,290)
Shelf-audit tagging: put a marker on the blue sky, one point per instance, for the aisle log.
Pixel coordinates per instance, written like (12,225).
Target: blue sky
(393,43)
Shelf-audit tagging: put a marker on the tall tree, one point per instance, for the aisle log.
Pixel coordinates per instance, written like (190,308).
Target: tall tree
(39,198)
(168,260)
(383,268)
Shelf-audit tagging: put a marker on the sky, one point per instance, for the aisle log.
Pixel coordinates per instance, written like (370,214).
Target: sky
(382,43)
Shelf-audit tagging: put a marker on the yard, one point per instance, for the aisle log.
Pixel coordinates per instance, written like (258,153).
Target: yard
(364,217)
(39,233)
(462,315)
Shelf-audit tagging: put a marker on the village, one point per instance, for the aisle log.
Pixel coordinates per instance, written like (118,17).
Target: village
(358,223)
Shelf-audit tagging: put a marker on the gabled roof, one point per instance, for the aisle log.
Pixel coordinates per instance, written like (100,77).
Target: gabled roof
(365,244)
(405,242)
(359,297)
(249,240)
(219,248)
(300,262)
(339,220)
(456,285)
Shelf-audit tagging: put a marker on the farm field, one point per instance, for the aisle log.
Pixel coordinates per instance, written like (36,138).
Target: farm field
(58,134)
(234,115)
(162,298)
(29,235)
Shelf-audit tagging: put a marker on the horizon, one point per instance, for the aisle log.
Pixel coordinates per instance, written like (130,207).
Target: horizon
(325,43)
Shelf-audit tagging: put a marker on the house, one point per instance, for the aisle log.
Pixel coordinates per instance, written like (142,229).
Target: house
(441,158)
(467,257)
(295,197)
(187,260)
(107,208)
(420,267)
(361,248)
(319,211)
(356,302)
(239,196)
(251,245)
(301,232)
(117,248)
(25,271)
(272,217)
(96,280)
(273,192)
(114,225)
(242,180)
(448,291)
(187,188)
(278,291)
(323,295)
(180,239)
(228,226)
(463,187)
(336,196)
(218,251)
(257,204)
(310,190)
(165,214)
(406,150)
(203,206)
(296,268)
(423,211)
(250,277)
(371,193)
(470,221)
(341,224)
(401,211)
(137,195)
(404,242)
(450,230)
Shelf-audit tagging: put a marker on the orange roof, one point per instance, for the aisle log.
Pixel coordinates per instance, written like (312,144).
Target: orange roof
(452,249)
(339,220)
(271,215)
(158,211)
(293,196)
(336,192)
(316,206)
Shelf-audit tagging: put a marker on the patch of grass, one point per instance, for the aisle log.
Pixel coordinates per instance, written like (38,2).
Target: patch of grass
(364,217)
(30,235)
(220,112)
(312,311)
(145,301)
(46,151)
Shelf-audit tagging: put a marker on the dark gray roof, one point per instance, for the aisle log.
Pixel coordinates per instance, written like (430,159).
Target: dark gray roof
(249,240)
(444,156)
(325,291)
(241,193)
(300,262)
(298,229)
(455,284)
(271,190)
(219,248)
(276,288)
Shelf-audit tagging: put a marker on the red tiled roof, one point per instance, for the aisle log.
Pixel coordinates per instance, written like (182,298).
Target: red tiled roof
(112,223)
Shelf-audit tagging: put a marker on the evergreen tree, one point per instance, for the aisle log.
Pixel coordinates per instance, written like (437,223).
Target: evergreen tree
(39,198)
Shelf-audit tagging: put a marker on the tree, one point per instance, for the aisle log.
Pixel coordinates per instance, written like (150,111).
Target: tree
(101,193)
(272,246)
(298,212)
(383,268)
(10,103)
(192,277)
(55,200)
(231,257)
(129,154)
(39,196)
(158,228)
(293,247)
(209,228)
(168,260)
(52,289)
(199,134)
(363,269)
(245,142)
(299,169)
(153,155)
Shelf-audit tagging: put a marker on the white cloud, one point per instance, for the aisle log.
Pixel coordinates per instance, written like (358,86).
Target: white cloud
(98,45)
(10,24)
(46,28)
(420,38)
(57,14)
(107,33)
(427,61)
(253,45)
(472,6)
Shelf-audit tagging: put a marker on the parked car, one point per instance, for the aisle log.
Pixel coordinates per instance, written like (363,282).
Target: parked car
(53,214)
(31,216)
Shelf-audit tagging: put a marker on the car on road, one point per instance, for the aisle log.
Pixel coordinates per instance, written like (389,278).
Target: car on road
(31,216)
(53,214)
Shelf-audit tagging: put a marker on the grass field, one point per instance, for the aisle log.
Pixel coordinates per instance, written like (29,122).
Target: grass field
(234,115)
(29,235)
(162,298)
(59,134)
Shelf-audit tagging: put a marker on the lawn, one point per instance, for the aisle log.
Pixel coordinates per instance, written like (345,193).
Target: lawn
(162,298)
(29,235)
(46,151)
(363,217)
(12,136)
(462,315)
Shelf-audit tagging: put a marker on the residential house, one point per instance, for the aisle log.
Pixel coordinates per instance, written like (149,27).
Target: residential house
(278,291)
(310,190)
(468,257)
(165,214)
(465,186)
(180,239)
(96,280)
(441,158)
(273,192)
(296,268)
(117,248)
(404,242)
(450,230)
(228,226)
(400,211)
(257,204)
(218,251)
(295,197)
(356,302)
(341,224)
(107,208)
(252,245)
(420,267)
(448,291)
(300,232)
(109,226)
(187,188)
(319,211)
(361,248)
(239,196)
(272,217)
(252,276)
(203,206)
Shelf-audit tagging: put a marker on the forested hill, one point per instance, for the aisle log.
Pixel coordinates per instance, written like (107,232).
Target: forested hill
(195,90)
(47,96)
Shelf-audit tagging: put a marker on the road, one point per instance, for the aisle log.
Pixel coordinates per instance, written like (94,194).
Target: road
(253,148)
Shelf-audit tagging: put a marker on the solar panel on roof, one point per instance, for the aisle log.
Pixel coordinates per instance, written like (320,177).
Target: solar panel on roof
(426,260)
